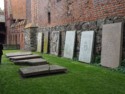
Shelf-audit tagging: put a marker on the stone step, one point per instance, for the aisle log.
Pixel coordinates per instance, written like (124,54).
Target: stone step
(42,70)
(18,54)
(24,57)
(31,62)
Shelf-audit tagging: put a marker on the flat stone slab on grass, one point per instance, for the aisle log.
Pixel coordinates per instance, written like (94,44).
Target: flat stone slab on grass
(32,62)
(18,54)
(25,57)
(42,70)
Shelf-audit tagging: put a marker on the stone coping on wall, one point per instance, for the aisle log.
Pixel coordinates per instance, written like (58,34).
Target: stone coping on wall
(30,25)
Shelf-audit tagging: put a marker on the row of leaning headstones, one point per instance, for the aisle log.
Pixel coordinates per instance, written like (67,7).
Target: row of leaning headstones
(111,44)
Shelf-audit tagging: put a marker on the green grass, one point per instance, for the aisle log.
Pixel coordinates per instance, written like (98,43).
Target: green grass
(80,79)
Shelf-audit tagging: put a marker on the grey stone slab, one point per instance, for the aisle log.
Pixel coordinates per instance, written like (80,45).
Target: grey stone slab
(32,62)
(55,41)
(18,54)
(86,46)
(41,70)
(39,41)
(111,45)
(69,44)
(46,41)
(25,57)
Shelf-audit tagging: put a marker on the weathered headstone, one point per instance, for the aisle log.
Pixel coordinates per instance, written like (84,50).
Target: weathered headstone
(32,62)
(46,40)
(69,44)
(18,54)
(42,70)
(111,45)
(55,40)
(25,57)
(86,46)
(39,42)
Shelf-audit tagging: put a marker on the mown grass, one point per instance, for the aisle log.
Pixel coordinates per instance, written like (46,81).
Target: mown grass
(80,79)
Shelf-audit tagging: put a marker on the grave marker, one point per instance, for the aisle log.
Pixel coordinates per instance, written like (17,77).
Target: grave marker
(111,45)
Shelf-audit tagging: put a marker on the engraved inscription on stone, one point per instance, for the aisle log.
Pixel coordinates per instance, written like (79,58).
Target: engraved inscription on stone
(39,42)
(55,39)
(111,45)
(69,44)
(86,46)
(46,40)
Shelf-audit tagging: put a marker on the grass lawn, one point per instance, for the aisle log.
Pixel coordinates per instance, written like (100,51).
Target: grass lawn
(80,79)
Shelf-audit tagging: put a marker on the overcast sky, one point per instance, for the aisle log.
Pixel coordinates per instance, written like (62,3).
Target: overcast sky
(2,4)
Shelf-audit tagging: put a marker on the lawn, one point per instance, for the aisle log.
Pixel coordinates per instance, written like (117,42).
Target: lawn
(81,78)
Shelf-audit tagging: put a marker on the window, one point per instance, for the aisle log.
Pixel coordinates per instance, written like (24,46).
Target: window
(49,17)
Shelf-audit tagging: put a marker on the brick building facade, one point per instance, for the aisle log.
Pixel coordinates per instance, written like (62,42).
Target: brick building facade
(15,15)
(63,15)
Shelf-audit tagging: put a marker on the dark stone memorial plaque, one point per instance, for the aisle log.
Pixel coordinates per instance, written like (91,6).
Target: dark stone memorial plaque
(42,70)
(24,57)
(55,39)
(18,54)
(32,62)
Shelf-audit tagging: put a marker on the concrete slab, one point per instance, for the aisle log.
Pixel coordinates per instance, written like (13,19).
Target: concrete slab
(112,36)
(18,54)
(41,70)
(25,57)
(39,42)
(86,46)
(55,41)
(46,42)
(69,44)
(31,62)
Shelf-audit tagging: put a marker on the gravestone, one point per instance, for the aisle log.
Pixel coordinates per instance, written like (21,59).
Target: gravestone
(46,41)
(18,54)
(69,44)
(39,42)
(86,46)
(55,41)
(24,57)
(111,45)
(41,70)
(32,62)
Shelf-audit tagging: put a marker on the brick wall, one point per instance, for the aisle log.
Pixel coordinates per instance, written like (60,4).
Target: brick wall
(68,11)
(18,9)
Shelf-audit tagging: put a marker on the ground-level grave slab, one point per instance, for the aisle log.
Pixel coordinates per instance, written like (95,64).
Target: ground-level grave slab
(55,41)
(39,41)
(69,44)
(42,70)
(24,57)
(18,54)
(32,62)
(86,46)
(111,45)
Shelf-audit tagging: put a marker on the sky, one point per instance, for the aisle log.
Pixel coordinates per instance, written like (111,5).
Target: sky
(2,4)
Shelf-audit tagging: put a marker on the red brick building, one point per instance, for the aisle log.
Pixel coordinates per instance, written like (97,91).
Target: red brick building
(63,15)
(15,15)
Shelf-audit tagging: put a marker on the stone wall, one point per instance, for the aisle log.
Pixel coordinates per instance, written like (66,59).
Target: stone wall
(30,39)
(85,26)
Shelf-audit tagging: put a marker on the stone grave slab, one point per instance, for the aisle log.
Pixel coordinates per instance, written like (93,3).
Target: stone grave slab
(42,70)
(86,46)
(18,54)
(39,42)
(111,45)
(69,44)
(55,40)
(32,62)
(24,57)
(46,41)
